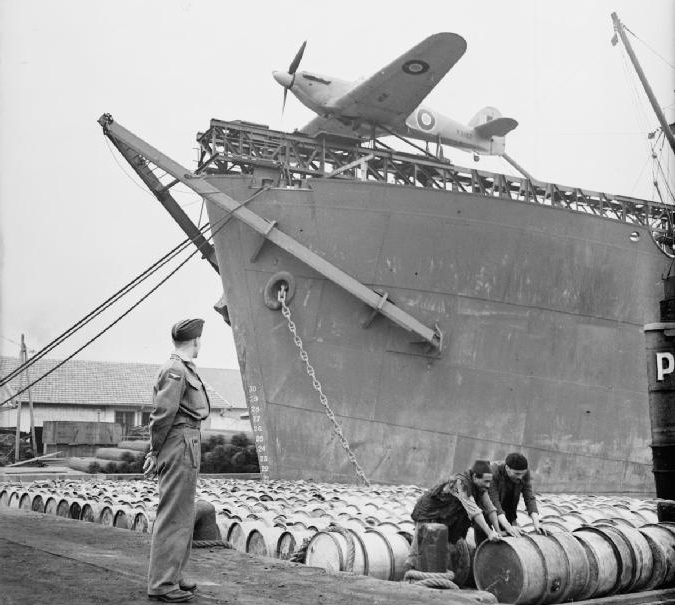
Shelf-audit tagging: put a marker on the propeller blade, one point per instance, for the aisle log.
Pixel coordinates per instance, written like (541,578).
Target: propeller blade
(283,105)
(296,60)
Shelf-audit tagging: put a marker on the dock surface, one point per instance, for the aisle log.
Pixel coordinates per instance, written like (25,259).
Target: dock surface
(49,559)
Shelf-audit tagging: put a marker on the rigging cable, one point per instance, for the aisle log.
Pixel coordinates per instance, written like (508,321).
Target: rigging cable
(220,225)
(99,309)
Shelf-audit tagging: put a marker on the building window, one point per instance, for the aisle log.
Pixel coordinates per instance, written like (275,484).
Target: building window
(126,419)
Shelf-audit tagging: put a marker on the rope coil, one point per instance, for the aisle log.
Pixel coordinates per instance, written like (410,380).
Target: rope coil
(211,543)
(431,580)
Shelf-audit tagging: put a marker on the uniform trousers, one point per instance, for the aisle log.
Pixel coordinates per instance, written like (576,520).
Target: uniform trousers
(177,470)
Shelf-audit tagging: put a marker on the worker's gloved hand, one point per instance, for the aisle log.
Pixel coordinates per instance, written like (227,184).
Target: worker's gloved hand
(150,465)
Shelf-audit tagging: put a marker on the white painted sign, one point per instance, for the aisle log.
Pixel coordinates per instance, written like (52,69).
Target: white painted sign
(665,364)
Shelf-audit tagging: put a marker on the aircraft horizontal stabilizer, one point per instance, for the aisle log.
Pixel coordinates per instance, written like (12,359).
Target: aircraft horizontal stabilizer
(498,127)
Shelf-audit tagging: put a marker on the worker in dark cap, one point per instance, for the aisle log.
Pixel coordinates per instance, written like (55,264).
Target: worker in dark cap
(510,480)
(180,403)
(457,502)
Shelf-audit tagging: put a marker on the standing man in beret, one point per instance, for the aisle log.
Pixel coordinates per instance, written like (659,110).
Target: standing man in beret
(457,502)
(180,403)
(510,480)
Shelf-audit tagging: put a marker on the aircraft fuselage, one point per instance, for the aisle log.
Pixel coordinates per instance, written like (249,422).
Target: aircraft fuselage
(322,93)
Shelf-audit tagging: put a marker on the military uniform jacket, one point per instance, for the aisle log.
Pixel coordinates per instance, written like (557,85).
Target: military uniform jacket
(179,396)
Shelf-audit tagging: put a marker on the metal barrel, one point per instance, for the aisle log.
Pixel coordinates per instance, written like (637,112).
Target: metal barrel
(660,347)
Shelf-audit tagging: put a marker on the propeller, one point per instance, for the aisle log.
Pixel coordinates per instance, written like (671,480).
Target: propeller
(292,68)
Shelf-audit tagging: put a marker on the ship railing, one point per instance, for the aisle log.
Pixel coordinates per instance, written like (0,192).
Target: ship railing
(241,147)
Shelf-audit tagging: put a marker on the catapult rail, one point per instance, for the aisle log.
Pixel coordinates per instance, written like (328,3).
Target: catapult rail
(241,146)
(269,231)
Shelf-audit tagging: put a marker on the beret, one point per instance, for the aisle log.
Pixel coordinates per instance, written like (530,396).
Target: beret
(187,329)
(516,461)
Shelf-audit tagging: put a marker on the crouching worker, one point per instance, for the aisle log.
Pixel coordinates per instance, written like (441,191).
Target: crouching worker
(510,480)
(457,503)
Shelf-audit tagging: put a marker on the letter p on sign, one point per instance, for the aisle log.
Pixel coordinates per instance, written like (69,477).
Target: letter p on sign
(665,364)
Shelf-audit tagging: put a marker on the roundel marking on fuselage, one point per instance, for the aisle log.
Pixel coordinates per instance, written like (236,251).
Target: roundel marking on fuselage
(415,67)
(426,119)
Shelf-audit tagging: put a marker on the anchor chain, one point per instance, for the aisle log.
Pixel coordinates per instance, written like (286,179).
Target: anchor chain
(286,312)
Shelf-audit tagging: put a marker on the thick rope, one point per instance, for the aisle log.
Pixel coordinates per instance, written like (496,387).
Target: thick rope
(430,580)
(210,543)
(345,533)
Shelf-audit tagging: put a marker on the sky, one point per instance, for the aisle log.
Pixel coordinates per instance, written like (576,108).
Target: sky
(76,225)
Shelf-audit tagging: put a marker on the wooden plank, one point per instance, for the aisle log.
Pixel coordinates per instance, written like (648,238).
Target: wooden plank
(34,459)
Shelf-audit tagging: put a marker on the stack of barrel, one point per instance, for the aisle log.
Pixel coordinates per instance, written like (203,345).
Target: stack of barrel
(601,559)
(597,545)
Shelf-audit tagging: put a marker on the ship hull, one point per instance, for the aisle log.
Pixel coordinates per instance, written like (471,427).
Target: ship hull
(541,310)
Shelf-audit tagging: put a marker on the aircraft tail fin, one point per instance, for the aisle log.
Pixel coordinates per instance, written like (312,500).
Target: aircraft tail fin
(488,123)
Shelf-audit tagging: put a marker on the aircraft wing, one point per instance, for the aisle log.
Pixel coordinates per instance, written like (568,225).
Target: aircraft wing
(391,95)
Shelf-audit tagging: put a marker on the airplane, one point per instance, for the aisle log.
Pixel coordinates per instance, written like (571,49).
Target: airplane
(389,101)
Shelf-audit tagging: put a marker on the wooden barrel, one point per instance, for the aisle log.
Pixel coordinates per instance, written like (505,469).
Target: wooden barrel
(642,556)
(603,560)
(4,498)
(290,541)
(89,512)
(38,503)
(579,573)
(626,559)
(514,570)
(26,501)
(329,550)
(50,505)
(661,541)
(137,446)
(397,548)
(648,515)
(264,541)
(75,509)
(142,521)
(13,499)
(553,525)
(63,508)
(116,454)
(123,518)
(239,531)
(106,515)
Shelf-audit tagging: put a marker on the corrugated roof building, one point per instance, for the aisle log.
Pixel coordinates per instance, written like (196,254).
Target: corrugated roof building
(103,391)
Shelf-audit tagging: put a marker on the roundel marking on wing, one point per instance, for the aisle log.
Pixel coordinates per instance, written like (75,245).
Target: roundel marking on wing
(426,119)
(415,67)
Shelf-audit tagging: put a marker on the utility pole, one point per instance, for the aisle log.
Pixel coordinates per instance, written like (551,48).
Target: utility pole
(618,28)
(17,439)
(24,359)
